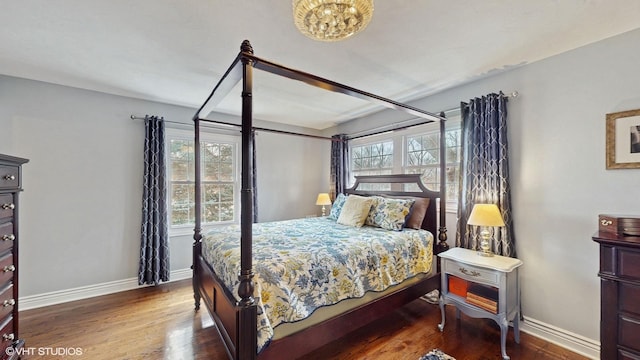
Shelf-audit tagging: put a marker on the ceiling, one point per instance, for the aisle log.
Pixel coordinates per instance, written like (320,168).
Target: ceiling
(174,51)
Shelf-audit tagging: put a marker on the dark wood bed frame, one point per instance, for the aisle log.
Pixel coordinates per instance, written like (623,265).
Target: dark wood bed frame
(235,320)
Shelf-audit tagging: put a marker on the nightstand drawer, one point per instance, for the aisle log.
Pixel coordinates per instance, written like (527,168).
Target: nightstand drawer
(472,273)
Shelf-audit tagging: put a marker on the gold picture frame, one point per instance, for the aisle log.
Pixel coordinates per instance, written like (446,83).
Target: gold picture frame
(623,140)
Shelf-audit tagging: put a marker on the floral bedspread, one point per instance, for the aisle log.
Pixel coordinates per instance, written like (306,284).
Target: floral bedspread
(303,264)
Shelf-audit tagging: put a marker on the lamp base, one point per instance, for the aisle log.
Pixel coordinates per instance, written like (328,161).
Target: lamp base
(323,211)
(485,254)
(485,249)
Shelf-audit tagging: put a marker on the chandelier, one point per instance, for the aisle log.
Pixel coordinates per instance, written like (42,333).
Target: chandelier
(331,20)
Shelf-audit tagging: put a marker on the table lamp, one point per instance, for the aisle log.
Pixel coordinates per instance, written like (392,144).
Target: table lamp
(485,215)
(323,199)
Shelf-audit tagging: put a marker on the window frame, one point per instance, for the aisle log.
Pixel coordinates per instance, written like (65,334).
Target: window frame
(400,150)
(205,136)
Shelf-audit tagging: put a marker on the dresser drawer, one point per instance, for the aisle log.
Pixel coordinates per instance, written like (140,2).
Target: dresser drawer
(626,355)
(6,268)
(7,336)
(629,332)
(6,206)
(9,177)
(629,264)
(629,298)
(472,273)
(6,236)
(7,301)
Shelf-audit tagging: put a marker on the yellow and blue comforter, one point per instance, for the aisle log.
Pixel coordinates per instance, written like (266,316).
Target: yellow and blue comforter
(303,264)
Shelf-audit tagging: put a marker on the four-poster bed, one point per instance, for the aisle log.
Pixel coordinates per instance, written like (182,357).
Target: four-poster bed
(236,317)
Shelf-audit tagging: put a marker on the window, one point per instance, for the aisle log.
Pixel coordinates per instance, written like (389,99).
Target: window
(219,179)
(423,157)
(372,159)
(417,151)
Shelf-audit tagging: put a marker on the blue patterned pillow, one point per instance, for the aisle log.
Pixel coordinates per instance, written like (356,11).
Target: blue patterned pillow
(389,214)
(336,208)
(374,205)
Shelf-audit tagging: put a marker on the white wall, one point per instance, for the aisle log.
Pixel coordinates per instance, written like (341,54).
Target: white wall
(558,176)
(80,211)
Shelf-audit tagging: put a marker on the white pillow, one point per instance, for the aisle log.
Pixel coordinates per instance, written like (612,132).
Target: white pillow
(355,210)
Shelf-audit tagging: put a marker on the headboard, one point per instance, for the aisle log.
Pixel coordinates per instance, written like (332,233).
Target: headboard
(397,186)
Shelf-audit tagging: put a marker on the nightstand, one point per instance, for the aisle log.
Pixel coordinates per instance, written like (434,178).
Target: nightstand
(482,287)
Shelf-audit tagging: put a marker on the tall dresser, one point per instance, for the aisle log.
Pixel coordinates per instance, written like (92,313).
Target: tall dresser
(619,296)
(10,187)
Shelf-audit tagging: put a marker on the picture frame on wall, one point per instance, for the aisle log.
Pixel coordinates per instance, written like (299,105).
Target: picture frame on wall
(623,140)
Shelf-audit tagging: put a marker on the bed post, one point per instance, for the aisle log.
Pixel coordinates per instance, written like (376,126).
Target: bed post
(248,336)
(197,231)
(442,230)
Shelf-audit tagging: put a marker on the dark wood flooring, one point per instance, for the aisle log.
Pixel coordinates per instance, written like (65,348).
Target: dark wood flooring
(160,323)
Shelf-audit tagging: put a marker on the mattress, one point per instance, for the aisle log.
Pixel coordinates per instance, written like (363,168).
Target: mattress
(303,265)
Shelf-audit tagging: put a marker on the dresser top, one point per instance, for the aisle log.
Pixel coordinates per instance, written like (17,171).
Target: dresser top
(604,237)
(4,159)
(471,257)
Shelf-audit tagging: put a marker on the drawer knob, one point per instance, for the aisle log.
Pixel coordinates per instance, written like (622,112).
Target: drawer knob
(9,268)
(470,273)
(605,222)
(9,302)
(9,177)
(6,337)
(9,237)
(8,206)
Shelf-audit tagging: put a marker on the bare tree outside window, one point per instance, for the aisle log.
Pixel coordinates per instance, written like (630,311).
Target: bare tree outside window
(423,157)
(372,159)
(218,179)
(411,151)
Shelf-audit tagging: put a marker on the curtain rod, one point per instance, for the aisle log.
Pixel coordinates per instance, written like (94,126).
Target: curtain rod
(381,129)
(400,126)
(514,94)
(215,122)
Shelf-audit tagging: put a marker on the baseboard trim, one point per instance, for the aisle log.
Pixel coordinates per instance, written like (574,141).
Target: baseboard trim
(561,337)
(85,292)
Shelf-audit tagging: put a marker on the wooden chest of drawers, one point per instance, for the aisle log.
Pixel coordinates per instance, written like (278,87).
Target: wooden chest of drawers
(620,295)
(10,187)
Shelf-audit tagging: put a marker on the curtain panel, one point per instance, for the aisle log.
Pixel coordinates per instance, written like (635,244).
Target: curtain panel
(484,171)
(154,242)
(339,165)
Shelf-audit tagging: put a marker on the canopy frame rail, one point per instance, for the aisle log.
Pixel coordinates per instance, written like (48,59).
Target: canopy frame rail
(234,73)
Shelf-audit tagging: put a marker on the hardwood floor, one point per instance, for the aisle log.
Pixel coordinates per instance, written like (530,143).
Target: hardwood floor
(160,323)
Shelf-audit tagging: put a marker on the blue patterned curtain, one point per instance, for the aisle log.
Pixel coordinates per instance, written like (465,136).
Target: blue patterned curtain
(484,171)
(339,165)
(154,242)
